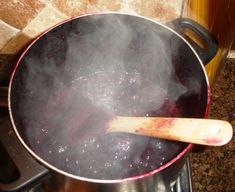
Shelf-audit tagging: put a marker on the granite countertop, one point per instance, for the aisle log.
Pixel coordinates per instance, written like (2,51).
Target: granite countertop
(213,168)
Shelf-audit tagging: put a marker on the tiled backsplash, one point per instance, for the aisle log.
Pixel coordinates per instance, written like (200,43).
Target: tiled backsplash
(23,20)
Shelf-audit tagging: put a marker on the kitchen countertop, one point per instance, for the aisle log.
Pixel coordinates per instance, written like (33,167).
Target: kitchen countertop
(213,168)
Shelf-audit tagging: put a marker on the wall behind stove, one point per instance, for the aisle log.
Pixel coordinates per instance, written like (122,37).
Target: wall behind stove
(23,20)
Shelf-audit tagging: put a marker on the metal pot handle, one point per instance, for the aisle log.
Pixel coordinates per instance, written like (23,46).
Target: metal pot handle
(30,171)
(205,54)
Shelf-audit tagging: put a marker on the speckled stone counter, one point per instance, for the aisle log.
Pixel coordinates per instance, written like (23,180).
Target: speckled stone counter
(213,169)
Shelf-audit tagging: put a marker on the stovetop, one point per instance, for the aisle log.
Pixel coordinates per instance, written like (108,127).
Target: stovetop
(20,172)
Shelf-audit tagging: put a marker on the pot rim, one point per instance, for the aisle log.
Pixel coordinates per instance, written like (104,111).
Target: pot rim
(159,169)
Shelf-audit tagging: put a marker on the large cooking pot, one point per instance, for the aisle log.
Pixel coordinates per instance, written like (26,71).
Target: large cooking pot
(79,74)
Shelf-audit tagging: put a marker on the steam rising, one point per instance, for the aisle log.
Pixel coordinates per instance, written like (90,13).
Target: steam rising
(81,75)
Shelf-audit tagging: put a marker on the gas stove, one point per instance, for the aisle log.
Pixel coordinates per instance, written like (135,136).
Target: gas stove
(21,173)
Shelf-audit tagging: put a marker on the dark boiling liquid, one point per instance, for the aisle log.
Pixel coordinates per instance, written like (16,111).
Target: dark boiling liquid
(72,136)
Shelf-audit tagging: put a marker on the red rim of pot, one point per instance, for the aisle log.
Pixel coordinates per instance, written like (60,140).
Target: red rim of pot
(169,163)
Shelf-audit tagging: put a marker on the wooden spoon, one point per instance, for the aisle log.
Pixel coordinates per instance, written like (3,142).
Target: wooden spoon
(197,131)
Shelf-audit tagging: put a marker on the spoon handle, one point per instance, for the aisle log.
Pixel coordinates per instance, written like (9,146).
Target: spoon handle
(197,131)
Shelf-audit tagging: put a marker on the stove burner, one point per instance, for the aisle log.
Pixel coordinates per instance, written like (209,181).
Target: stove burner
(19,162)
